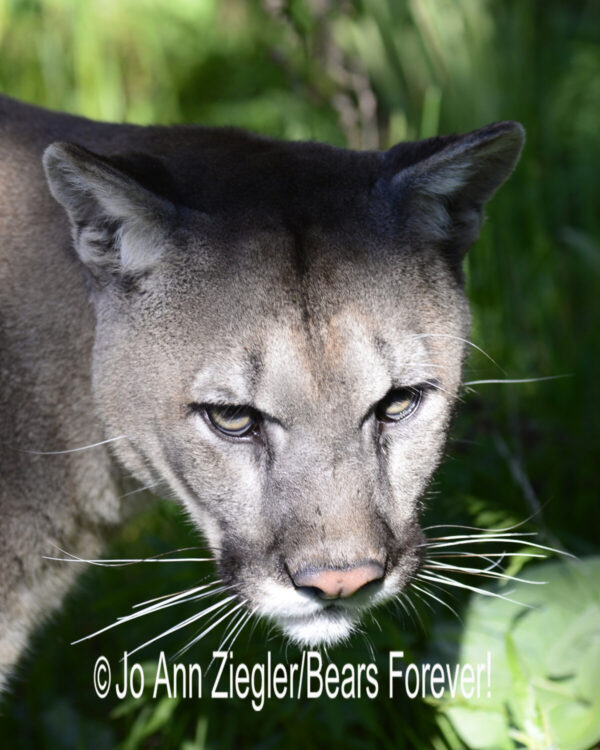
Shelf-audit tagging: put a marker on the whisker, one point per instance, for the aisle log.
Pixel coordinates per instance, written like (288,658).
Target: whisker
(176,593)
(500,540)
(459,338)
(492,563)
(189,595)
(415,610)
(230,628)
(423,601)
(437,387)
(211,619)
(518,380)
(478,571)
(438,578)
(424,364)
(479,528)
(75,450)
(404,602)
(255,624)
(486,535)
(239,632)
(487,554)
(141,489)
(376,621)
(204,632)
(437,599)
(441,589)
(369,646)
(400,602)
(107,563)
(177,599)
(119,563)
(185,623)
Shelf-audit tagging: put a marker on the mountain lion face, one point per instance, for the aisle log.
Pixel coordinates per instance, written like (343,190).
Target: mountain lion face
(283,352)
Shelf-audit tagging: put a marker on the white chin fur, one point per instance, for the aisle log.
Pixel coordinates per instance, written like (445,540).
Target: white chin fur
(306,621)
(319,629)
(302,619)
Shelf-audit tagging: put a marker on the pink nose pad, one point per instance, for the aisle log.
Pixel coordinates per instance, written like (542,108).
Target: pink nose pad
(336,583)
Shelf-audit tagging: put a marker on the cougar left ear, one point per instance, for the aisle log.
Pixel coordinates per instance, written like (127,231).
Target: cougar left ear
(438,187)
(118,226)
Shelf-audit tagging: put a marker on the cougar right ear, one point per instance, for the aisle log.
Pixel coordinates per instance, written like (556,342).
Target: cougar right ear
(118,225)
(438,187)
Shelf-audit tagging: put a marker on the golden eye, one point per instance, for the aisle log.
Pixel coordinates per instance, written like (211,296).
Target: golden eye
(234,421)
(398,404)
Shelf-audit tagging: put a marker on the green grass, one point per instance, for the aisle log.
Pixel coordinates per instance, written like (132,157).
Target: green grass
(313,70)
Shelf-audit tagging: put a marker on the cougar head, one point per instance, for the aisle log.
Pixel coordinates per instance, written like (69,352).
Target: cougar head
(280,335)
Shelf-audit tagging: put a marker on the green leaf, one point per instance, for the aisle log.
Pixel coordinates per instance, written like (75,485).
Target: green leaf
(545,677)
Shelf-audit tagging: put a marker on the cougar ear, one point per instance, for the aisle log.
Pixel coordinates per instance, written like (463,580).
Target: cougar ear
(118,226)
(438,187)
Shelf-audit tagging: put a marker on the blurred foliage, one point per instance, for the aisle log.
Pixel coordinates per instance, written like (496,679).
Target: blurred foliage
(363,73)
(544,691)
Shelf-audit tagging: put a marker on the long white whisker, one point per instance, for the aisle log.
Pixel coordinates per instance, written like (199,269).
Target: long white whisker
(485,535)
(368,644)
(518,380)
(421,599)
(437,599)
(181,598)
(75,450)
(459,338)
(415,610)
(210,620)
(141,613)
(183,592)
(400,601)
(255,624)
(438,387)
(438,578)
(184,624)
(376,621)
(206,630)
(441,589)
(237,618)
(141,489)
(433,564)
(128,561)
(424,364)
(500,540)
(492,563)
(241,625)
(478,528)
(486,556)
(107,563)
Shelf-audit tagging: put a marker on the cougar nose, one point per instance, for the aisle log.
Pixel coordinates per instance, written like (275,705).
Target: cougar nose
(335,583)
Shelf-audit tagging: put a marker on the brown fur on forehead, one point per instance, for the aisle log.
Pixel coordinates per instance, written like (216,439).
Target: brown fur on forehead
(351,286)
(378,278)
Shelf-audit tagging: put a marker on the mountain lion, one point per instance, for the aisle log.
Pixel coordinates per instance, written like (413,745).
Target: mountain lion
(271,332)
